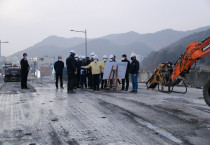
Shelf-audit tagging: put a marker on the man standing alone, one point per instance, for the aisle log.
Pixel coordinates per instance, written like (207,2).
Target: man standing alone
(134,70)
(24,71)
(58,66)
(72,72)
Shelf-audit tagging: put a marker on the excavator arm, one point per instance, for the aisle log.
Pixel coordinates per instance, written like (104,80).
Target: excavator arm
(170,77)
(194,51)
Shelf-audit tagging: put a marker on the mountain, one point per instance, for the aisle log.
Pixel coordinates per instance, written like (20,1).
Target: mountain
(117,44)
(155,40)
(105,47)
(50,46)
(172,52)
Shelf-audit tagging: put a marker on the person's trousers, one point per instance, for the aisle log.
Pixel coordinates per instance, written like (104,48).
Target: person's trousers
(83,81)
(24,76)
(90,85)
(71,82)
(103,82)
(134,81)
(126,80)
(95,81)
(78,79)
(59,76)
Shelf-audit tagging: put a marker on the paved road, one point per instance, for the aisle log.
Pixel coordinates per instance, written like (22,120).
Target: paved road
(44,116)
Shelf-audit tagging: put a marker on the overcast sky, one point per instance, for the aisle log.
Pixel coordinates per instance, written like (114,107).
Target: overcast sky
(26,22)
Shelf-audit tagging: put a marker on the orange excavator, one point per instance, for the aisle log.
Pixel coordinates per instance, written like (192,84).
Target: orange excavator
(169,75)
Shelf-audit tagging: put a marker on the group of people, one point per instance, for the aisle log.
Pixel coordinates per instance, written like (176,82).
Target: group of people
(87,72)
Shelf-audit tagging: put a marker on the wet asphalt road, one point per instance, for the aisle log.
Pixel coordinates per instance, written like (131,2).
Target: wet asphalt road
(44,116)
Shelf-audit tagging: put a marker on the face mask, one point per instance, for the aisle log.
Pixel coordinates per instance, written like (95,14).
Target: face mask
(105,59)
(76,58)
(60,59)
(92,56)
(95,60)
(123,58)
(110,59)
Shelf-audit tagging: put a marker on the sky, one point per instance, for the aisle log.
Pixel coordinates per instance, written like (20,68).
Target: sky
(26,22)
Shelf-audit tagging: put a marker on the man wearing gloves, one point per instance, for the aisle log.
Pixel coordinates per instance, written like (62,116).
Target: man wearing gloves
(134,69)
(96,70)
(103,82)
(72,72)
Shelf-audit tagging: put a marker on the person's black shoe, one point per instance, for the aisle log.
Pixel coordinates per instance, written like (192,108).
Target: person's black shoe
(132,91)
(62,87)
(94,89)
(126,89)
(135,91)
(97,89)
(71,92)
(78,87)
(122,89)
(56,87)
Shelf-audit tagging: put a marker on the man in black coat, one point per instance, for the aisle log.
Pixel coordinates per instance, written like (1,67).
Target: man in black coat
(72,72)
(124,59)
(58,66)
(134,70)
(24,71)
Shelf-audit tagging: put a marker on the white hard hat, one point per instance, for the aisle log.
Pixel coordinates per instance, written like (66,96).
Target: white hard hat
(133,55)
(95,57)
(104,56)
(76,55)
(92,53)
(111,56)
(73,51)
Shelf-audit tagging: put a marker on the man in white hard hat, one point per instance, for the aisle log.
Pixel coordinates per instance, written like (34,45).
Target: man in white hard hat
(96,71)
(72,71)
(89,73)
(134,70)
(103,82)
(111,58)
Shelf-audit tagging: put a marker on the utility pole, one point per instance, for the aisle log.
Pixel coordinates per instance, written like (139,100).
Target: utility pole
(85,32)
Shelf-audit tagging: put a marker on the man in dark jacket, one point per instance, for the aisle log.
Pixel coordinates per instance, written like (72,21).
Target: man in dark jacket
(24,71)
(134,69)
(83,73)
(78,66)
(124,59)
(58,66)
(72,71)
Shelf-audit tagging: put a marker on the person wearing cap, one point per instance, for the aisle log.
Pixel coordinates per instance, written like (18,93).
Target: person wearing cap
(124,59)
(72,71)
(103,82)
(78,66)
(96,71)
(58,67)
(83,73)
(24,71)
(134,69)
(111,58)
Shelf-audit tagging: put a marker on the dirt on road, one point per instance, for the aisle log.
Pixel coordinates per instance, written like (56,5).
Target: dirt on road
(43,115)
